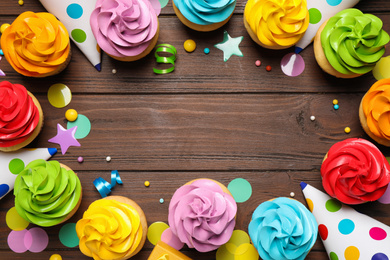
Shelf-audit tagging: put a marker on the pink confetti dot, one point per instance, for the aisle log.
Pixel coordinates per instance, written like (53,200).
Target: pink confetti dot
(170,239)
(258,63)
(377,233)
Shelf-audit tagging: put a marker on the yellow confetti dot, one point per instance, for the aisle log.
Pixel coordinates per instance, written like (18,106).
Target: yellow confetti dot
(347,130)
(15,221)
(4,26)
(21,2)
(71,115)
(55,257)
(189,45)
(147,183)
(335,101)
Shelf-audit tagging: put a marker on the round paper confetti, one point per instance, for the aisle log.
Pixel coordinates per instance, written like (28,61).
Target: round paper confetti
(385,199)
(246,252)
(68,235)
(55,257)
(59,95)
(223,252)
(170,239)
(83,126)
(292,64)
(39,240)
(15,166)
(155,231)
(241,189)
(163,3)
(239,237)
(15,241)
(381,69)
(15,221)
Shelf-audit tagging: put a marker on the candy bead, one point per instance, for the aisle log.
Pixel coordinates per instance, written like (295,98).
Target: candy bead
(347,130)
(189,45)
(258,63)
(71,115)
(268,68)
(3,27)
(206,50)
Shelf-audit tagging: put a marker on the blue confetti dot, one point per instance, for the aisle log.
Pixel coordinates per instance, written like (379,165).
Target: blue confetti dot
(336,107)
(379,256)
(4,188)
(1,52)
(206,50)
(333,2)
(74,11)
(346,226)
(161,200)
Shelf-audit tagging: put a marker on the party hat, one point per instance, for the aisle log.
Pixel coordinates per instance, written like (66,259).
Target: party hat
(163,251)
(14,162)
(75,14)
(346,233)
(319,12)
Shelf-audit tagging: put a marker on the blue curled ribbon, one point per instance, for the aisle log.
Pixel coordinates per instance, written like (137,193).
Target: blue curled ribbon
(104,187)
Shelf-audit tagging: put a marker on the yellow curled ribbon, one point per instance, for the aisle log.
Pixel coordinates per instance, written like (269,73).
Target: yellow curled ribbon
(166,48)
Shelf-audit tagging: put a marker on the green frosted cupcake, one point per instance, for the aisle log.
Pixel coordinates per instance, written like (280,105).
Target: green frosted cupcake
(47,193)
(350,43)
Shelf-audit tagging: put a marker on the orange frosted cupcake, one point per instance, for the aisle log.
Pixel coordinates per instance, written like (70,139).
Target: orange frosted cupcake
(276,24)
(21,117)
(112,228)
(36,44)
(374,112)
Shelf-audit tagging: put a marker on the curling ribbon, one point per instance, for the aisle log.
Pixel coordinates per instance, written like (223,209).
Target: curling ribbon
(165,60)
(103,187)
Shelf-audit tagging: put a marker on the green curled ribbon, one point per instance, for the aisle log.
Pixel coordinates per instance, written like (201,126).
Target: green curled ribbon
(165,60)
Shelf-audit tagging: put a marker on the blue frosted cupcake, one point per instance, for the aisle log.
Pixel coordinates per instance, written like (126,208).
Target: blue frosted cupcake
(202,15)
(283,228)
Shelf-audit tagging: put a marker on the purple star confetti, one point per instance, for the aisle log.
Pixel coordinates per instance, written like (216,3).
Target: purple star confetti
(65,138)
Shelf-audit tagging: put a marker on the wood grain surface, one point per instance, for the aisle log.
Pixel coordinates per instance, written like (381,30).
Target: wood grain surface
(209,118)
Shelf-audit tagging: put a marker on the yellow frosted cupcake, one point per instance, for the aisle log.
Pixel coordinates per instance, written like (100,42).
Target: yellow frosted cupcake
(276,24)
(112,228)
(36,45)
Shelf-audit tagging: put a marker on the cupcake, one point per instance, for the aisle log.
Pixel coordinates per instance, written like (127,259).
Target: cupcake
(354,171)
(112,228)
(36,45)
(276,24)
(350,43)
(126,30)
(204,16)
(47,193)
(21,117)
(202,214)
(374,112)
(283,228)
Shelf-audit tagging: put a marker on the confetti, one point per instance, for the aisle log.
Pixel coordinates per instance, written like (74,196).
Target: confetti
(103,187)
(165,48)
(229,46)
(65,138)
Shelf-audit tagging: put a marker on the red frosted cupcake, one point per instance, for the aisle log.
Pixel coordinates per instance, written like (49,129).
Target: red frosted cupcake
(21,117)
(354,171)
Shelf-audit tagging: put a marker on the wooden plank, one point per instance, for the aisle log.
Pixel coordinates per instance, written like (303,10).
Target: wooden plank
(206,132)
(196,72)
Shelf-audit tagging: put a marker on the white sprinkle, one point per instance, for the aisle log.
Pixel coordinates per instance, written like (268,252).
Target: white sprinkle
(108,158)
(292,194)
(312,118)
(113,71)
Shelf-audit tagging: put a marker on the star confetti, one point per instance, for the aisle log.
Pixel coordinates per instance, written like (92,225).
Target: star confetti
(1,72)
(229,46)
(65,138)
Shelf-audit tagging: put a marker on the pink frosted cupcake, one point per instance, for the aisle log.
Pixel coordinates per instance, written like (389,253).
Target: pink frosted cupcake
(126,30)
(202,214)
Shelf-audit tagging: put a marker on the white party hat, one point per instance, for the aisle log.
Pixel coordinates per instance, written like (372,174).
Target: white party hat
(75,14)
(319,12)
(346,233)
(11,163)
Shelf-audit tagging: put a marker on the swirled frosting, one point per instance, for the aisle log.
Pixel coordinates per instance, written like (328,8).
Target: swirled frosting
(353,42)
(376,108)
(202,215)
(205,12)
(19,116)
(283,229)
(109,229)
(277,22)
(36,44)
(45,193)
(355,171)
(124,28)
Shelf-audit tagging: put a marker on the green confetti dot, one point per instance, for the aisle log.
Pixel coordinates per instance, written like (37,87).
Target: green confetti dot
(241,189)
(15,166)
(79,35)
(333,256)
(333,205)
(68,235)
(315,15)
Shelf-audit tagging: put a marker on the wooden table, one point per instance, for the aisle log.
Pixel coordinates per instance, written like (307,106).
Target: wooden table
(209,118)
